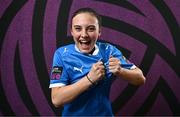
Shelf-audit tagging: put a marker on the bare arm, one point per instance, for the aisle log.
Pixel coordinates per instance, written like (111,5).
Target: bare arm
(133,76)
(63,95)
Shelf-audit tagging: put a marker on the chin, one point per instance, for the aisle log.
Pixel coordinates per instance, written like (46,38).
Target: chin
(85,51)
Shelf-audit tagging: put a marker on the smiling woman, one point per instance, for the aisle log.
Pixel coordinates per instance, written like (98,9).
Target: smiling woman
(146,32)
(87,69)
(85,31)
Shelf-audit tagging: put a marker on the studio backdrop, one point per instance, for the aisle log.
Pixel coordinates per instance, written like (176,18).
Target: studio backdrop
(146,31)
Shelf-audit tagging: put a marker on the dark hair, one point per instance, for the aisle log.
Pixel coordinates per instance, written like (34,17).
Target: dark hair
(90,11)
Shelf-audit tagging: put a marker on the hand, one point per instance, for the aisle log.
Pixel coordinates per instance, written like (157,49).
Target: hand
(114,65)
(97,71)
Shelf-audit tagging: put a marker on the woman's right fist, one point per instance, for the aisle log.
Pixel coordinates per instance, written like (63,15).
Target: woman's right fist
(97,71)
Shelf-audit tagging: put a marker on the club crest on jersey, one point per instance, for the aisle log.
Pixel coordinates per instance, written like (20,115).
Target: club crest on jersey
(56,73)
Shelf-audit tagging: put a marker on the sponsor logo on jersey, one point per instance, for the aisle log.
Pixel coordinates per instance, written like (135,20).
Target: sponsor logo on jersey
(78,69)
(56,72)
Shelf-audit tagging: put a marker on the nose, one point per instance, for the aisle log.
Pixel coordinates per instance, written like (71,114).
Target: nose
(84,34)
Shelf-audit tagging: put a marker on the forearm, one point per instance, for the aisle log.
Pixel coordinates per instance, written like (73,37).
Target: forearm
(63,95)
(134,76)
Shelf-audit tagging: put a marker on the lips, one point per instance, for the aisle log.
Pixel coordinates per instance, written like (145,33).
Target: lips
(85,44)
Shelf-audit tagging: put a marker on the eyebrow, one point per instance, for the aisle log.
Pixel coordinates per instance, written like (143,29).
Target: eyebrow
(81,26)
(76,26)
(91,26)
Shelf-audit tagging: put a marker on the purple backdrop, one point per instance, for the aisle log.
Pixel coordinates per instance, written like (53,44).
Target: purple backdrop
(147,31)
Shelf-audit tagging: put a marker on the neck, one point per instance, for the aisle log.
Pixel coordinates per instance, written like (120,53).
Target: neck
(92,51)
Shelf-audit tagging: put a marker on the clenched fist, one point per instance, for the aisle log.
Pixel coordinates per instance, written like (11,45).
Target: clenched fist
(114,65)
(97,71)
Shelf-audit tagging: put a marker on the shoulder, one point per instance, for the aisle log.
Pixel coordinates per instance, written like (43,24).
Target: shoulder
(105,45)
(108,48)
(65,49)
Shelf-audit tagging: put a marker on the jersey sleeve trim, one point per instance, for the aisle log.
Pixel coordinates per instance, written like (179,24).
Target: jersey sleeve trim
(57,85)
(133,67)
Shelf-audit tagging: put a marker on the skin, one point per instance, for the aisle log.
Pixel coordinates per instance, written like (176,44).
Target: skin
(85,31)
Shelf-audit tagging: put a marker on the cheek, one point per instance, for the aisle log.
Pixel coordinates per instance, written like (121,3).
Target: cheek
(76,35)
(94,35)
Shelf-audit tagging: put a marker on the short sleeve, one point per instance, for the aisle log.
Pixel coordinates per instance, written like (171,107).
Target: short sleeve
(58,76)
(124,62)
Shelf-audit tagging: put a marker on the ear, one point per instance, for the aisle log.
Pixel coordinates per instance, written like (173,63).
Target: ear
(99,32)
(71,31)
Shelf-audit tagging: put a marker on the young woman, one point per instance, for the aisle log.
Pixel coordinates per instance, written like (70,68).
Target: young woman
(82,73)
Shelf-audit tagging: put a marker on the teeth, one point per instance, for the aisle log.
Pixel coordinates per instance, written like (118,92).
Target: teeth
(84,41)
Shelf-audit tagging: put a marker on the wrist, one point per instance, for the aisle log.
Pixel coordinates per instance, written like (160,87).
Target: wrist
(90,80)
(121,70)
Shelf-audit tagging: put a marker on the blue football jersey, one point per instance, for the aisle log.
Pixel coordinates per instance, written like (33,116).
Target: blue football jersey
(70,65)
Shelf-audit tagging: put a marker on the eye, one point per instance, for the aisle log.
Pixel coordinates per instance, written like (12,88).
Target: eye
(77,29)
(91,29)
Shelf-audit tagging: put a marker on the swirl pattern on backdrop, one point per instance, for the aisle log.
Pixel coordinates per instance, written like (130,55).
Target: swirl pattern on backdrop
(146,32)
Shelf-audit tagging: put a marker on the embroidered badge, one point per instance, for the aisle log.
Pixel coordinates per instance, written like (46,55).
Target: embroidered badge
(56,72)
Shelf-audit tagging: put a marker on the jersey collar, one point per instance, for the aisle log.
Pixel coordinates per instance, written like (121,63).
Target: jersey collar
(94,53)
